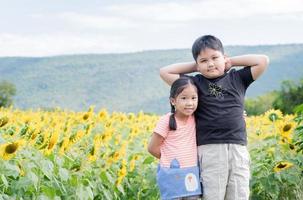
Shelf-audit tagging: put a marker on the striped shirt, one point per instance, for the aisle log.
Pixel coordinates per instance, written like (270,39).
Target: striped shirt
(180,144)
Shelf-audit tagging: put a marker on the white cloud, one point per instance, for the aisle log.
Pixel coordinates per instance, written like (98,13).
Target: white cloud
(95,21)
(208,9)
(44,45)
(156,25)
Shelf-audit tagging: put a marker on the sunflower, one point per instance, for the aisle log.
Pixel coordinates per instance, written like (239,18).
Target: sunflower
(273,115)
(121,173)
(286,130)
(282,166)
(64,145)
(132,165)
(92,154)
(7,151)
(21,170)
(3,121)
(85,116)
(103,114)
(52,142)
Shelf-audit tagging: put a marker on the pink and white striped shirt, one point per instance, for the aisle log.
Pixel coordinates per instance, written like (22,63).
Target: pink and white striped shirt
(180,144)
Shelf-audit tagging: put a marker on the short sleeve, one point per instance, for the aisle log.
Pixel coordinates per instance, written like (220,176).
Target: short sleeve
(196,79)
(246,76)
(162,127)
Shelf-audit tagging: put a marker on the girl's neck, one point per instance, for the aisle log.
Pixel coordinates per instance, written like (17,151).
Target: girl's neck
(182,118)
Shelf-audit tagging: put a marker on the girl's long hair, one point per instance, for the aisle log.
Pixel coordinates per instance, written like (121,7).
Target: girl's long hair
(176,88)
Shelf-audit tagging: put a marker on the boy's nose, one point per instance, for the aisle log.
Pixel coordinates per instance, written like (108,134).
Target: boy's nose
(210,64)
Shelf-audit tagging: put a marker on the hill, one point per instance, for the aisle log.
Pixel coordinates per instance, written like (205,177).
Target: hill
(126,82)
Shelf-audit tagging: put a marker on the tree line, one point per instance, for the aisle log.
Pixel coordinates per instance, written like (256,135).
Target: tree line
(286,99)
(7,92)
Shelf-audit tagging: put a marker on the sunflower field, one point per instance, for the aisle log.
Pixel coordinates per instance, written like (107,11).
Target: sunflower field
(62,154)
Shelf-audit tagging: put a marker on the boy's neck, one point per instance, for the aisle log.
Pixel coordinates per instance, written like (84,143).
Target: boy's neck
(213,79)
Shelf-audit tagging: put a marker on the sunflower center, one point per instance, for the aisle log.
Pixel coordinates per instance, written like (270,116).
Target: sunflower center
(273,117)
(85,116)
(11,148)
(287,127)
(281,165)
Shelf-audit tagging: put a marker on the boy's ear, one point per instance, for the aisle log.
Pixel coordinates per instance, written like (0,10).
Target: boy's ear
(225,56)
(228,64)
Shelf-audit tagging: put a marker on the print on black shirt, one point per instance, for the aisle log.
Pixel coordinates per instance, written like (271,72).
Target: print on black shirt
(216,90)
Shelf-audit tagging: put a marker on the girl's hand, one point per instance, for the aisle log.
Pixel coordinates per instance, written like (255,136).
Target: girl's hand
(228,64)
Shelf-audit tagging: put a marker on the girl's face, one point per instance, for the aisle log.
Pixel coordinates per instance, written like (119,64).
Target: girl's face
(186,102)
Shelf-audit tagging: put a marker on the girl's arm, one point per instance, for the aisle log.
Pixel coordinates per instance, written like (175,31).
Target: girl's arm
(258,63)
(154,145)
(172,72)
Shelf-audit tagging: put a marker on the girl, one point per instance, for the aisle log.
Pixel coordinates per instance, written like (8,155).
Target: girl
(174,143)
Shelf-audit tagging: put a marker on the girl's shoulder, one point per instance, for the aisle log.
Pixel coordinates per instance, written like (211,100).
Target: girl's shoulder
(165,117)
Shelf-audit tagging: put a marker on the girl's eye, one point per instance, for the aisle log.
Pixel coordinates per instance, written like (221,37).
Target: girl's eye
(215,57)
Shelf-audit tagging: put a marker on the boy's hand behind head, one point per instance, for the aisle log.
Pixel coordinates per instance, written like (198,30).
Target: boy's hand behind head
(228,64)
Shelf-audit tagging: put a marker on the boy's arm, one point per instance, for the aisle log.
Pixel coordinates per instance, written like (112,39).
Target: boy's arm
(154,145)
(172,72)
(258,63)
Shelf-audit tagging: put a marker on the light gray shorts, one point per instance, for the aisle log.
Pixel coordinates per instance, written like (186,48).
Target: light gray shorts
(224,171)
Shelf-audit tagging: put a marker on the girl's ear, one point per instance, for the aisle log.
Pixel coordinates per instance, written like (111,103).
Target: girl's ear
(172,101)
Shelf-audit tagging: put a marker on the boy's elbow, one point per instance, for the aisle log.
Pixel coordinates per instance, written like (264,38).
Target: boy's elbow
(265,60)
(162,73)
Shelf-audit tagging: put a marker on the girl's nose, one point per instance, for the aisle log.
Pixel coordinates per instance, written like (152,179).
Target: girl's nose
(190,102)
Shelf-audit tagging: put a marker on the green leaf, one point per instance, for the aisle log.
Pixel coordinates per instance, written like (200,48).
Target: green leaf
(4,181)
(84,193)
(73,180)
(47,168)
(148,160)
(11,170)
(89,192)
(49,191)
(103,177)
(63,174)
(299,108)
(33,178)
(110,177)
(120,188)
(107,194)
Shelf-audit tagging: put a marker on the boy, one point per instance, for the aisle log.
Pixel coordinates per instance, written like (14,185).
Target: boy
(221,134)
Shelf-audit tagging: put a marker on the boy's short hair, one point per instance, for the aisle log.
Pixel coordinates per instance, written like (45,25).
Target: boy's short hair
(206,41)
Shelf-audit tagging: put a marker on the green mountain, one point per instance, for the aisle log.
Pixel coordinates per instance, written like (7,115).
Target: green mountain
(126,82)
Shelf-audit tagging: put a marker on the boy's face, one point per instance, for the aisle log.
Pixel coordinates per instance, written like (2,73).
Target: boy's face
(211,63)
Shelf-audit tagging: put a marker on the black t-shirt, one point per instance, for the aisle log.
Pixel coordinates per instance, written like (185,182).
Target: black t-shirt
(219,116)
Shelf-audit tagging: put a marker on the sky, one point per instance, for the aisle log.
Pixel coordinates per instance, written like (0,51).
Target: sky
(56,27)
